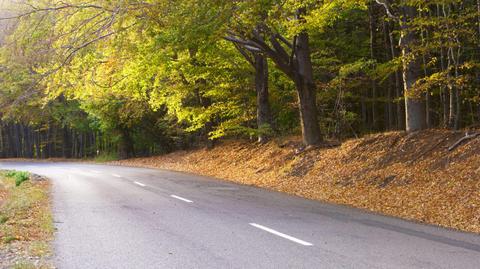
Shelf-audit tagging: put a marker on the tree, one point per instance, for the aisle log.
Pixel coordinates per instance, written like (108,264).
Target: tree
(260,64)
(414,104)
(143,77)
(297,64)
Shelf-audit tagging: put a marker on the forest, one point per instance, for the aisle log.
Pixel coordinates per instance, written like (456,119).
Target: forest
(81,78)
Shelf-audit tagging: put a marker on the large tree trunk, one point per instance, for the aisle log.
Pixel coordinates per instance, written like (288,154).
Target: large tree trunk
(306,90)
(414,103)
(299,70)
(264,117)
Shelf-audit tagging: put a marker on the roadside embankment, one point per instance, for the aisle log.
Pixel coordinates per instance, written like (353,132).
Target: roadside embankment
(412,176)
(26,225)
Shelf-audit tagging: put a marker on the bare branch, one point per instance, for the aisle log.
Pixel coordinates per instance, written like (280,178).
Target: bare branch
(387,9)
(49,9)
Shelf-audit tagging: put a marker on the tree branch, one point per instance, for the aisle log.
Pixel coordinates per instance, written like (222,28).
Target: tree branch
(244,53)
(252,46)
(387,9)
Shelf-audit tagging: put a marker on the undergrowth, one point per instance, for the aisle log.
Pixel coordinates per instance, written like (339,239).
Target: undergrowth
(19,176)
(106,157)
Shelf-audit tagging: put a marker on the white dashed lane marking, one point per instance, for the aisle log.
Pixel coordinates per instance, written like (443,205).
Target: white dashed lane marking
(140,184)
(181,198)
(277,233)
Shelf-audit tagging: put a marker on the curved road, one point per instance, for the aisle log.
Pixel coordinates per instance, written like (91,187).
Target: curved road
(120,217)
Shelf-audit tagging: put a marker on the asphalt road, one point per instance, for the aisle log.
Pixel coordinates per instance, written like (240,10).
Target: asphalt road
(120,217)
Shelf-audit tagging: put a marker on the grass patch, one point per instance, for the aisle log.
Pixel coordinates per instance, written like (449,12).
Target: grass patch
(106,157)
(9,239)
(24,265)
(3,219)
(19,176)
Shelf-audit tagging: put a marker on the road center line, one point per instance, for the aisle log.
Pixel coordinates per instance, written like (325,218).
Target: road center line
(272,231)
(181,198)
(139,184)
(115,175)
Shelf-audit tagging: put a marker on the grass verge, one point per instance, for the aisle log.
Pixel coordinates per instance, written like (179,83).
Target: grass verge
(106,157)
(26,225)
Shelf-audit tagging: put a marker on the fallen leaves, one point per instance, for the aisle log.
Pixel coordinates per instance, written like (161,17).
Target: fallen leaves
(413,176)
(27,227)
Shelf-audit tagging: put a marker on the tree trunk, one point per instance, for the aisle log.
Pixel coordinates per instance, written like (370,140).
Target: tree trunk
(389,123)
(363,105)
(27,142)
(306,90)
(81,145)
(301,72)
(444,94)
(478,17)
(424,35)
(373,26)
(38,151)
(67,145)
(2,141)
(264,118)
(458,100)
(125,145)
(17,135)
(414,103)
(400,109)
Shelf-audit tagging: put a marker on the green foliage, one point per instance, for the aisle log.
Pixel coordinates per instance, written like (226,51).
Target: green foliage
(106,157)
(3,218)
(19,176)
(161,75)
(9,239)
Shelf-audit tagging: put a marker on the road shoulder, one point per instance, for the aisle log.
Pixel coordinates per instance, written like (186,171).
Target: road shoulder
(26,223)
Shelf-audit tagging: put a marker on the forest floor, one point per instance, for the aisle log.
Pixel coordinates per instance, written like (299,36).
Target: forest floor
(412,176)
(26,225)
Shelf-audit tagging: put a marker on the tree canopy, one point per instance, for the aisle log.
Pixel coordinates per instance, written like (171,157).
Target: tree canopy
(80,78)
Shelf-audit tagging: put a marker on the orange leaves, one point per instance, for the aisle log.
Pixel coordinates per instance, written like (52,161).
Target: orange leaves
(410,176)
